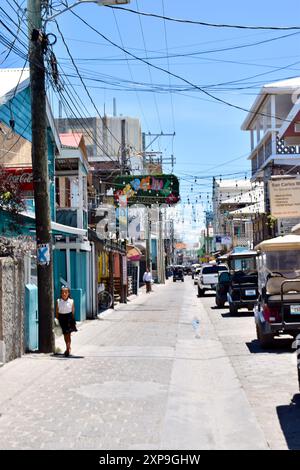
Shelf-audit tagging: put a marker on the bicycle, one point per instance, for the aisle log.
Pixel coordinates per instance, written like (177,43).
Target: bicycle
(105,300)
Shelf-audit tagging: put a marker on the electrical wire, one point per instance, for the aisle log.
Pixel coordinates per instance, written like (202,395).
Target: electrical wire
(149,70)
(202,23)
(210,95)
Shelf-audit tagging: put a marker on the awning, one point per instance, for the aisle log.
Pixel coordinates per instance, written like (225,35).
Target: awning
(133,253)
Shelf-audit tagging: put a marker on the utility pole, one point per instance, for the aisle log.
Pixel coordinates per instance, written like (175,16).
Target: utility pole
(39,153)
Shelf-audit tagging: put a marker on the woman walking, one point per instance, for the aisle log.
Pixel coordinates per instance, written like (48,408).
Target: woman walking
(147,278)
(65,313)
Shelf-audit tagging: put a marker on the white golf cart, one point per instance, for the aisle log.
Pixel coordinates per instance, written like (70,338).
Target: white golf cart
(278,307)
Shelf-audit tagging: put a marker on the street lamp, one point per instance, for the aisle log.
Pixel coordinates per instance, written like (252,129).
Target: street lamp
(100,3)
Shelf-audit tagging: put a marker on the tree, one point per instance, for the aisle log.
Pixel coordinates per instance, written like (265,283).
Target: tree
(10,193)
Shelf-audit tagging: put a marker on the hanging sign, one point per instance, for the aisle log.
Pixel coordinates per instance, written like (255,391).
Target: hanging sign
(147,189)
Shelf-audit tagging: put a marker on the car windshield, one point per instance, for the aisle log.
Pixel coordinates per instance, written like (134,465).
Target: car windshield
(243,264)
(286,262)
(213,269)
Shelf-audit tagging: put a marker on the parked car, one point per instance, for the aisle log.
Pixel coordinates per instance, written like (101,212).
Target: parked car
(208,277)
(242,289)
(278,307)
(178,275)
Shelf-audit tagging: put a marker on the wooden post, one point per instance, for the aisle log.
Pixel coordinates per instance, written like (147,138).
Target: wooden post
(40,177)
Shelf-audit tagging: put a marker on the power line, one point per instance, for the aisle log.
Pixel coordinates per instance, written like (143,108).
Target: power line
(130,72)
(84,85)
(149,70)
(168,66)
(215,98)
(202,23)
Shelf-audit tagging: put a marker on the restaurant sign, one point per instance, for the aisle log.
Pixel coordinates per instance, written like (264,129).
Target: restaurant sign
(147,189)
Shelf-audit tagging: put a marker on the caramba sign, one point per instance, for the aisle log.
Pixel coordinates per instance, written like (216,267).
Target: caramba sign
(147,189)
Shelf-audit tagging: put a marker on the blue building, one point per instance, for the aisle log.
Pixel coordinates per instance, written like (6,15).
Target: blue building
(68,173)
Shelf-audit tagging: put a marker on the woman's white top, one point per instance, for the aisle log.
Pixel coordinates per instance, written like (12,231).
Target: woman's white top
(65,306)
(147,277)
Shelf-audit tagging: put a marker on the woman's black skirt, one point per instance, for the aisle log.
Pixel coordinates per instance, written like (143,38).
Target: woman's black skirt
(67,323)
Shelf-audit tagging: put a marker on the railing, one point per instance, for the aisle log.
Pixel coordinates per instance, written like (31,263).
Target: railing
(264,150)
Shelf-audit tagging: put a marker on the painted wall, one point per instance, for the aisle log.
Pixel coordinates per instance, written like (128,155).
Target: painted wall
(19,109)
(12,340)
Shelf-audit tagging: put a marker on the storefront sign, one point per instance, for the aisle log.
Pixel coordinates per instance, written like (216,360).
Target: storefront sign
(285,197)
(20,176)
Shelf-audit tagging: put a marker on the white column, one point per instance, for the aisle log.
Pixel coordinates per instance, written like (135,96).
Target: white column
(80,201)
(252,139)
(273,123)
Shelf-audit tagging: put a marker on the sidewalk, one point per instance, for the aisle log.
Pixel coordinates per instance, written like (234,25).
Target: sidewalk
(141,377)
(79,338)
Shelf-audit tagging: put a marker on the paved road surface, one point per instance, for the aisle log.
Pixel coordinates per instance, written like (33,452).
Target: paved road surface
(165,371)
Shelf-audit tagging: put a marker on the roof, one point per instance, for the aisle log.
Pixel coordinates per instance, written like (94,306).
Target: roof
(71,139)
(285,242)
(10,79)
(13,81)
(279,87)
(256,208)
(241,254)
(247,197)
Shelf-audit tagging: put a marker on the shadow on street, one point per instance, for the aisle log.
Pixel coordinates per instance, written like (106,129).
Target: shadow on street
(289,418)
(62,356)
(244,313)
(281,346)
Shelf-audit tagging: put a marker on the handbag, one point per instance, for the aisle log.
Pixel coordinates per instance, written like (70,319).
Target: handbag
(57,328)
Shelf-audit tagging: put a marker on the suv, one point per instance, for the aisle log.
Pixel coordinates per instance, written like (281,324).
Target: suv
(208,277)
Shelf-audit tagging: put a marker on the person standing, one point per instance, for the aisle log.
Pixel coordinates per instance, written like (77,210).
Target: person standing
(147,278)
(65,313)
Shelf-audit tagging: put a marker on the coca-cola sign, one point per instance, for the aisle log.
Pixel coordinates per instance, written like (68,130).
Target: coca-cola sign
(20,176)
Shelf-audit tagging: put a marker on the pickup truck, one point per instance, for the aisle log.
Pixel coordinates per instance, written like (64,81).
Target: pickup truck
(208,277)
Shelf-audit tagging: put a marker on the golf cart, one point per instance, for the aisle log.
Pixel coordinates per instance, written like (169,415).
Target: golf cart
(242,287)
(278,307)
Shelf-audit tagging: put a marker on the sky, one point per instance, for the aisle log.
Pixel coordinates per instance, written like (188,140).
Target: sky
(208,139)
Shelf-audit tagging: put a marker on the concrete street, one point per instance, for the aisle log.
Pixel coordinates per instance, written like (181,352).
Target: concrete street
(165,371)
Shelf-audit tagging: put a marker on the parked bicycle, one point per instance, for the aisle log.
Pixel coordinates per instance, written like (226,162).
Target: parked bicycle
(105,300)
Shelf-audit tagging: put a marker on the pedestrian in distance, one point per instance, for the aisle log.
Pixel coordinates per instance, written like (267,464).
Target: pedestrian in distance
(147,278)
(65,313)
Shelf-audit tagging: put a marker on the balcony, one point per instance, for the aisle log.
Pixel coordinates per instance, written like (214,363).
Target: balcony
(262,154)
